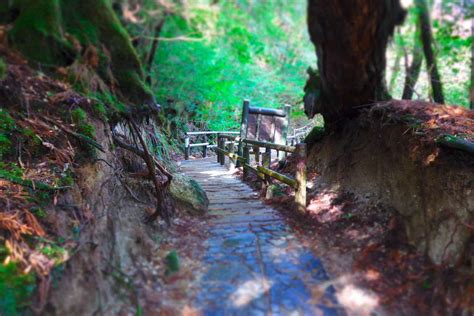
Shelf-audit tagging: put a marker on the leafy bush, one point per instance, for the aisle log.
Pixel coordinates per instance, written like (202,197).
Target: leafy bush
(16,288)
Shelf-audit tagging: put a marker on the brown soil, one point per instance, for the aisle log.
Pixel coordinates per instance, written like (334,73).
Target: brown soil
(115,261)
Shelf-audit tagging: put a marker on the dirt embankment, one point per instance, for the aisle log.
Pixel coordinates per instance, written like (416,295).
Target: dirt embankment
(391,152)
(74,206)
(387,193)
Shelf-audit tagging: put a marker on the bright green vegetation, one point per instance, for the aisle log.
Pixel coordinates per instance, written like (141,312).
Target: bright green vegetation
(224,53)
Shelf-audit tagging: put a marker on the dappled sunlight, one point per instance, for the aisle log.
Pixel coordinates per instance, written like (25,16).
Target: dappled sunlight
(323,206)
(217,173)
(353,298)
(357,301)
(250,290)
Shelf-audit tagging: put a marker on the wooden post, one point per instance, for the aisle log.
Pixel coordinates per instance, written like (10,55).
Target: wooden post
(246,155)
(187,149)
(266,159)
(243,127)
(218,137)
(256,152)
(284,131)
(257,127)
(300,192)
(273,129)
(204,149)
(231,160)
(222,146)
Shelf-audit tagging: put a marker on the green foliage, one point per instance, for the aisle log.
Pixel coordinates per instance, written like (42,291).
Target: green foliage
(7,127)
(3,69)
(39,212)
(100,110)
(245,49)
(81,119)
(67,179)
(54,251)
(15,289)
(172,262)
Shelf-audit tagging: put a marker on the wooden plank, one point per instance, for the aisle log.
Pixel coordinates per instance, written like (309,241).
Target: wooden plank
(280,147)
(267,111)
(199,145)
(282,178)
(211,133)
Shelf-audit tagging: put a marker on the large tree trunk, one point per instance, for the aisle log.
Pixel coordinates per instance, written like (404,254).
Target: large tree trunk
(351,38)
(427,40)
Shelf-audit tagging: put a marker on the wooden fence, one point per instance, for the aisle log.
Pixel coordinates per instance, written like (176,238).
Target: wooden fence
(226,146)
(207,139)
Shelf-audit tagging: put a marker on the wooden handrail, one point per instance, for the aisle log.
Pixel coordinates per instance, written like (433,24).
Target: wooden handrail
(205,145)
(210,133)
(264,171)
(285,148)
(267,111)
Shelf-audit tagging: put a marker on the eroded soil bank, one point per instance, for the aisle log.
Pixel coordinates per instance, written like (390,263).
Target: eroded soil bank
(395,208)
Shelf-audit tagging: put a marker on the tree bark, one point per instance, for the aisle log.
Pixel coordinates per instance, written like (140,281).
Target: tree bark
(427,41)
(413,71)
(154,46)
(351,39)
(395,71)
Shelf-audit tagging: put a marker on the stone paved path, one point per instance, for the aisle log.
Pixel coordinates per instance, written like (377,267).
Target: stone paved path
(255,264)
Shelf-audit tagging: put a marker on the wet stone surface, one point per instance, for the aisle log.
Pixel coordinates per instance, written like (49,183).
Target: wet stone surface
(254,264)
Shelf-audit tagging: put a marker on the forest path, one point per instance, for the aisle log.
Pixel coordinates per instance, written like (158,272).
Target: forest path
(255,265)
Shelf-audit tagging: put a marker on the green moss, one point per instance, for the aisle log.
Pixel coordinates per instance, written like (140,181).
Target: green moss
(7,123)
(81,119)
(172,262)
(38,33)
(100,110)
(66,180)
(7,127)
(93,22)
(55,252)
(39,212)
(79,116)
(16,289)
(3,69)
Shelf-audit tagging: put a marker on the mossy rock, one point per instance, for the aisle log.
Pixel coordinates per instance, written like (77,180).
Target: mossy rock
(188,195)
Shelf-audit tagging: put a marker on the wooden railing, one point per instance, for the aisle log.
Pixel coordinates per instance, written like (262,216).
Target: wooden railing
(299,134)
(206,141)
(227,145)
